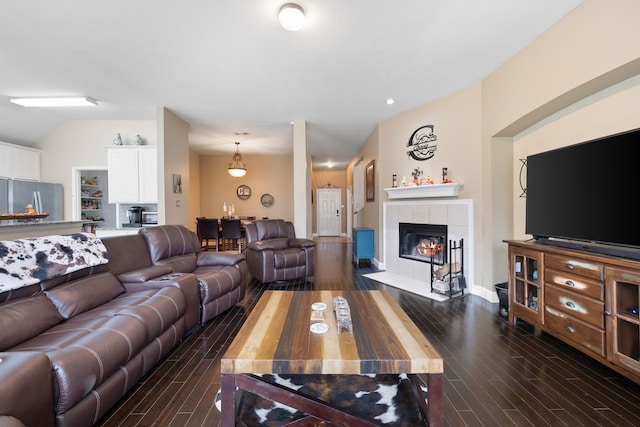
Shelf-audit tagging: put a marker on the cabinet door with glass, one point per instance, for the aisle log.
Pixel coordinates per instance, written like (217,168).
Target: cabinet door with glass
(526,293)
(623,321)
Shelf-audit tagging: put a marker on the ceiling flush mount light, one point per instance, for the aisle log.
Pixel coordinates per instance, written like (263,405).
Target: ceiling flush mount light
(291,16)
(391,101)
(237,168)
(60,101)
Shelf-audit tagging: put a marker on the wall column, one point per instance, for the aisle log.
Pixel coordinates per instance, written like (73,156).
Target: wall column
(301,180)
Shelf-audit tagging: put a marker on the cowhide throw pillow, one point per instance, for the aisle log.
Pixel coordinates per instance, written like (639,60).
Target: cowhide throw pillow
(388,400)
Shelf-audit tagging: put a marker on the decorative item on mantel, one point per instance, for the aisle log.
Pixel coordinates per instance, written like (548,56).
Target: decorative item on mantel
(416,176)
(425,191)
(138,140)
(445,176)
(117,140)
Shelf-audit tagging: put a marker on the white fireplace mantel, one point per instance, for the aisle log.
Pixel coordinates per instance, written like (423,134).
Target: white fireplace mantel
(424,191)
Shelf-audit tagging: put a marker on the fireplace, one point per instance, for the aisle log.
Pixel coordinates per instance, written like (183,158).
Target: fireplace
(423,242)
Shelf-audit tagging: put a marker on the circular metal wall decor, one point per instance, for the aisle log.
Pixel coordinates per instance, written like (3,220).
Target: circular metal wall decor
(266,200)
(244,192)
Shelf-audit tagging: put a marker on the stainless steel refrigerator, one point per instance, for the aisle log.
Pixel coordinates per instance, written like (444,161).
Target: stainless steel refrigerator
(43,196)
(4,196)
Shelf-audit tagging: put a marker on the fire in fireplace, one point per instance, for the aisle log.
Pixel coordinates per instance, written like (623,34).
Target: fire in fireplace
(423,242)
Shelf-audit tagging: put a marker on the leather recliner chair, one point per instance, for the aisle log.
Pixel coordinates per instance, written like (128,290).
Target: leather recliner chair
(275,254)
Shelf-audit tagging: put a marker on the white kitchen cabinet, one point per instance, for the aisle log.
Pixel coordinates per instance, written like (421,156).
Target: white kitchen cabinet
(19,162)
(148,175)
(133,175)
(5,161)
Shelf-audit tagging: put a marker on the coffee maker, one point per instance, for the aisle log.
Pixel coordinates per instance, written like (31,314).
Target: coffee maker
(135,216)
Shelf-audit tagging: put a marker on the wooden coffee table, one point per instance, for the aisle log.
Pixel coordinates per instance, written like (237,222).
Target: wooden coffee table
(276,338)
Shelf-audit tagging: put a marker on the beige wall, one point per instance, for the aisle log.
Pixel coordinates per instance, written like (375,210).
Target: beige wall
(613,110)
(564,71)
(173,158)
(194,187)
(84,144)
(575,82)
(457,119)
(371,213)
(265,174)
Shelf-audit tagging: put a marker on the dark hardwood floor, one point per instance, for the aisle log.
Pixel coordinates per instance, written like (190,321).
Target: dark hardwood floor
(495,374)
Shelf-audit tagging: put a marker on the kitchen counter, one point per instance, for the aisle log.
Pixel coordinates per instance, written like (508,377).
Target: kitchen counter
(125,229)
(11,230)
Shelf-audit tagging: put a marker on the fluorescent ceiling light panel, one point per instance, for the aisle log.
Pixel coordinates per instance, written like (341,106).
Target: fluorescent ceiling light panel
(65,101)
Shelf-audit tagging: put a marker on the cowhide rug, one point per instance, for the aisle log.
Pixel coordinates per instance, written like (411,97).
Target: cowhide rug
(387,400)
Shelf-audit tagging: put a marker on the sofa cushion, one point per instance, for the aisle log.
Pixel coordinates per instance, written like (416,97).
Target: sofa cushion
(25,318)
(141,275)
(126,253)
(26,390)
(219,258)
(278,243)
(181,263)
(292,257)
(84,294)
(86,361)
(271,229)
(215,283)
(159,311)
(167,241)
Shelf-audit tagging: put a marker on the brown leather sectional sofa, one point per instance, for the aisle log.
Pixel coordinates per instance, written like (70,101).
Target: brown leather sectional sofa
(72,346)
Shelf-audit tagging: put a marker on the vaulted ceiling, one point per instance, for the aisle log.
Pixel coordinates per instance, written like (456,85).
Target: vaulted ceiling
(234,74)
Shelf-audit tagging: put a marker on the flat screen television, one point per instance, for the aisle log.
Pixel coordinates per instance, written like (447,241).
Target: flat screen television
(582,196)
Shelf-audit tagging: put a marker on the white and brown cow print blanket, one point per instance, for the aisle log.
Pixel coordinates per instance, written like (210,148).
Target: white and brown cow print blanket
(28,261)
(387,400)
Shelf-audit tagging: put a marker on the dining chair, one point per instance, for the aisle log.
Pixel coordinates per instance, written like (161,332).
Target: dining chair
(208,229)
(231,233)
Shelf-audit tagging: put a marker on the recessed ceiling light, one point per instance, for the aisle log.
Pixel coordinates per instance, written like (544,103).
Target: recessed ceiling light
(390,101)
(330,164)
(64,101)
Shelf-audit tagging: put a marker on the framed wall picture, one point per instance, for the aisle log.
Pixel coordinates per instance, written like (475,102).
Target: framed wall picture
(177,183)
(369,176)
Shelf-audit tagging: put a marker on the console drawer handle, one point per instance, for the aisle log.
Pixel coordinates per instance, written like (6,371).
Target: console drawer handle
(570,304)
(570,266)
(571,329)
(569,283)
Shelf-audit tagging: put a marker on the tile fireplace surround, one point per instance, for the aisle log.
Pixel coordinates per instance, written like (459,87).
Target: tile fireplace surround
(456,214)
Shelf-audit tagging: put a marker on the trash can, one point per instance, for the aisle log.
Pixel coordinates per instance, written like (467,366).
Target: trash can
(502,289)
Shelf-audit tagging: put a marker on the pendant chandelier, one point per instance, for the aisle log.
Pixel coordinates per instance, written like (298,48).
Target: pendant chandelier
(237,168)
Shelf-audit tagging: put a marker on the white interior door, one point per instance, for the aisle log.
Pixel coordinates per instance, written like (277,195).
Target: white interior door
(329,211)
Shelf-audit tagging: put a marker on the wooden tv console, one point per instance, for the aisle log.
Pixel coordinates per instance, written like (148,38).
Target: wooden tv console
(590,301)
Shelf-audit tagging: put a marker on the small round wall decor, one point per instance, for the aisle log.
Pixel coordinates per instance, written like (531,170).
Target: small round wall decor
(266,200)
(244,192)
